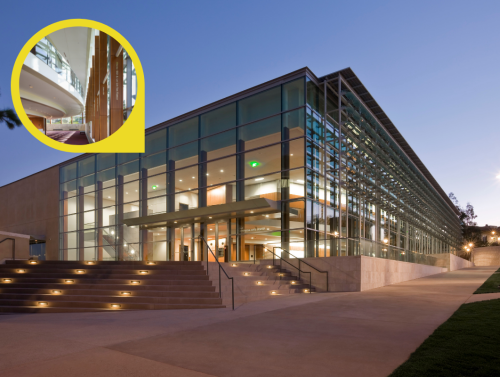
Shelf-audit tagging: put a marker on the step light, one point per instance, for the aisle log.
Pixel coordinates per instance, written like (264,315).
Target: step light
(32,262)
(293,282)
(125,293)
(69,281)
(306,290)
(259,283)
(273,292)
(21,271)
(151,263)
(246,274)
(234,265)
(135,282)
(43,304)
(143,272)
(7,280)
(80,271)
(282,274)
(56,292)
(90,263)
(116,306)
(269,266)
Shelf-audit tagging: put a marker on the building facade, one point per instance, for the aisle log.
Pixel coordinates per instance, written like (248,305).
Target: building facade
(263,170)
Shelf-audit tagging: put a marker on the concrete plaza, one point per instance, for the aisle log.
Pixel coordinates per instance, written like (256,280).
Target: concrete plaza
(366,333)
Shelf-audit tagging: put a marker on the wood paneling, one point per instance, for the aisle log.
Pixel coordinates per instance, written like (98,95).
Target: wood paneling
(103,86)
(116,84)
(96,123)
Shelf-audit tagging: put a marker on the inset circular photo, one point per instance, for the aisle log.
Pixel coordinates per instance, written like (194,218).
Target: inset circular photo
(78,85)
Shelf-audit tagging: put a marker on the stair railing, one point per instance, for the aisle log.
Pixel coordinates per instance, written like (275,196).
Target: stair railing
(13,246)
(220,268)
(297,268)
(307,264)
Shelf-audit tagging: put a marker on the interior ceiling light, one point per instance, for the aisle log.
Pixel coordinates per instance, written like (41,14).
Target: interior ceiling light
(259,179)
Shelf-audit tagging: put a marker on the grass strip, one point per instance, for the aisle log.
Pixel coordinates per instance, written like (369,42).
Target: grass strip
(467,344)
(491,285)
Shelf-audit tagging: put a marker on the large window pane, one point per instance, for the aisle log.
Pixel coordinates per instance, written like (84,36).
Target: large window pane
(126,157)
(131,192)
(293,94)
(184,155)
(87,183)
(105,161)
(157,205)
(183,132)
(221,194)
(297,156)
(106,178)
(297,183)
(221,171)
(154,164)
(86,166)
(186,179)
(315,97)
(68,172)
(218,120)
(293,124)
(260,105)
(157,141)
(263,161)
(220,145)
(268,187)
(186,200)
(68,206)
(261,133)
(130,171)
(68,189)
(156,186)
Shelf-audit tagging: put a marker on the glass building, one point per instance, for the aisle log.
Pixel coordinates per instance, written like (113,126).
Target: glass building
(276,167)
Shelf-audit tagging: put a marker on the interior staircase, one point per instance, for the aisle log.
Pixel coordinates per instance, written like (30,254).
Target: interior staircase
(73,286)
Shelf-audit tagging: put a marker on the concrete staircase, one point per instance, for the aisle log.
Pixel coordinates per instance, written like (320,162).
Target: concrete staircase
(66,286)
(260,281)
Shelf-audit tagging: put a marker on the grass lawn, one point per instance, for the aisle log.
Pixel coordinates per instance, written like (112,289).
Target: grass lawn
(466,345)
(490,285)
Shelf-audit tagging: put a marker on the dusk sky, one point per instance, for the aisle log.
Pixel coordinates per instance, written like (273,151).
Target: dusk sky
(433,66)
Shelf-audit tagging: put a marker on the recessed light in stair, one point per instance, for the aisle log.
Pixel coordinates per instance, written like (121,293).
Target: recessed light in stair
(269,266)
(7,280)
(233,265)
(56,292)
(32,262)
(293,282)
(282,274)
(125,293)
(116,306)
(43,304)
(135,282)
(80,271)
(273,292)
(90,262)
(69,281)
(246,274)
(259,283)
(143,272)
(306,290)
(151,263)
(21,271)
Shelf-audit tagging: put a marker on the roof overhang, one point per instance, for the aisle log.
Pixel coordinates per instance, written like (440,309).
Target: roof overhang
(252,207)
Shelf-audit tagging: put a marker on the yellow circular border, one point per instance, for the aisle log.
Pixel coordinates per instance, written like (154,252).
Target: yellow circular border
(131,135)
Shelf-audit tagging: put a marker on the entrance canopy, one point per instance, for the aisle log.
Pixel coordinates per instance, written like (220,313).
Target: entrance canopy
(250,207)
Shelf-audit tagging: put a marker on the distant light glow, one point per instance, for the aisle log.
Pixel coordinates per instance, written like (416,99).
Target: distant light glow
(254,164)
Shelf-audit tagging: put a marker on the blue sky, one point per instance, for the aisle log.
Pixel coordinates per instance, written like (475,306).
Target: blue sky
(433,66)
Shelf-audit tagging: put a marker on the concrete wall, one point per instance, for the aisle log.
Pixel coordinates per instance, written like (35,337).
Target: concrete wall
(451,262)
(359,273)
(30,206)
(22,246)
(487,256)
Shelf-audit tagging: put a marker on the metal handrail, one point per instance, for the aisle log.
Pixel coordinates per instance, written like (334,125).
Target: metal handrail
(220,267)
(13,246)
(281,259)
(301,261)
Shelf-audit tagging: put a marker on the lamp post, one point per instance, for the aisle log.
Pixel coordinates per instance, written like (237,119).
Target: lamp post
(471,246)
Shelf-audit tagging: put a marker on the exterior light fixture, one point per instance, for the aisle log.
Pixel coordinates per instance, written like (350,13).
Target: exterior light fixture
(56,292)
(259,283)
(116,306)
(293,282)
(69,281)
(7,280)
(269,266)
(80,271)
(254,164)
(90,262)
(32,262)
(233,265)
(135,282)
(43,304)
(386,240)
(470,245)
(143,272)
(282,275)
(246,274)
(306,290)
(21,271)
(273,292)
(151,263)
(125,293)
(259,179)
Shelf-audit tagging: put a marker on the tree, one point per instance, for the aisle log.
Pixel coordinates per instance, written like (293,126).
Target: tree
(10,118)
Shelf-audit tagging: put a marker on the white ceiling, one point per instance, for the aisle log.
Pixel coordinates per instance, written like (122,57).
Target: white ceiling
(74,44)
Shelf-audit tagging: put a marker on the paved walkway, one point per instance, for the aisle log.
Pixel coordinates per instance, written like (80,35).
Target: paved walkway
(333,334)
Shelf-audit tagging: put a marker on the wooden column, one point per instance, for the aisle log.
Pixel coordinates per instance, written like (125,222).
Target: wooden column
(116,83)
(96,123)
(103,86)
